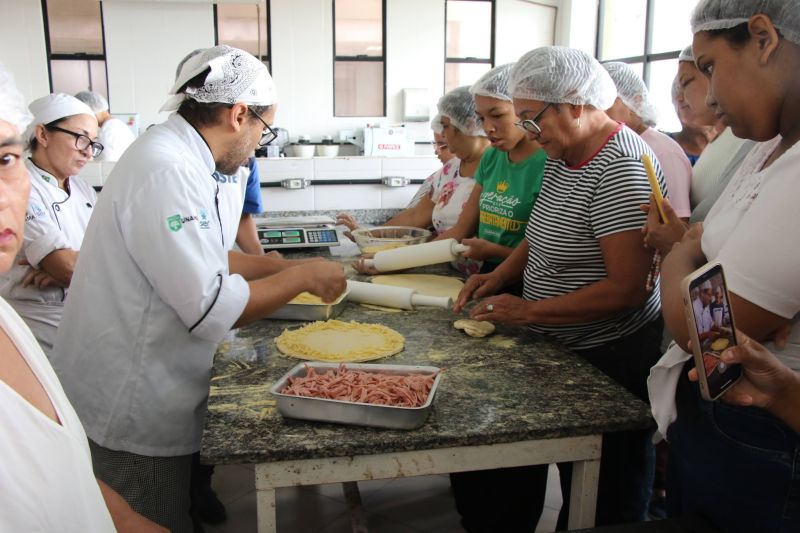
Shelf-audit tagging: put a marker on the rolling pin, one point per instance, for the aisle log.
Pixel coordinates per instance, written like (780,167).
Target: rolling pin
(429,253)
(389,296)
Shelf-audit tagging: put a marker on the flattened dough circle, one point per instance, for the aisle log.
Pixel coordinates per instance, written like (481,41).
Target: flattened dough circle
(340,342)
(428,284)
(474,328)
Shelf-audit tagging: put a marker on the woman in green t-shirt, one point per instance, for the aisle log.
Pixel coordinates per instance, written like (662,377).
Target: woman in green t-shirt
(507,180)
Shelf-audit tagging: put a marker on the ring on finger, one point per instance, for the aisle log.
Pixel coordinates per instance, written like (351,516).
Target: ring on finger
(490,308)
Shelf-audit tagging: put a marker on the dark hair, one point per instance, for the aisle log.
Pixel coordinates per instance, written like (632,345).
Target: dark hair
(206,114)
(33,143)
(736,36)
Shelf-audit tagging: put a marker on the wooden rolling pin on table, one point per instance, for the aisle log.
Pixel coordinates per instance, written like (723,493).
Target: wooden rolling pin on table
(389,296)
(429,253)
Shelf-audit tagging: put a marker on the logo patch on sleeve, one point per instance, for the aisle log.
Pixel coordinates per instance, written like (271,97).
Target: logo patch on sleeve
(174,223)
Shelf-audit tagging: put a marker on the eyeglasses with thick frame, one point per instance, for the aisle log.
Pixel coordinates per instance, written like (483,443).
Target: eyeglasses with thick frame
(82,142)
(531,125)
(268,135)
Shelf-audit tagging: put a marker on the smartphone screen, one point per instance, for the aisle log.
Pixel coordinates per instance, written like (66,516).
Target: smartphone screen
(713,322)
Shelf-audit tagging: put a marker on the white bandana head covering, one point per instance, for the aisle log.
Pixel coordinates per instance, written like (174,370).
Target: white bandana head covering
(234,76)
(12,104)
(53,107)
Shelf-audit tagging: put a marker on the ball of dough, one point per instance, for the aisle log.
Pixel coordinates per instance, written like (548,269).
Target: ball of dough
(474,328)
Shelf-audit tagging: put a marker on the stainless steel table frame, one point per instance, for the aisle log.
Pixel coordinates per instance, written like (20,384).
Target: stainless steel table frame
(583,452)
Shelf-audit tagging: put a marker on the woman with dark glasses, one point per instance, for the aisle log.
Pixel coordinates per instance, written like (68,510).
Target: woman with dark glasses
(61,140)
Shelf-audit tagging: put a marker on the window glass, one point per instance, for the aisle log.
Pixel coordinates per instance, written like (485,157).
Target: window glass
(359,28)
(671,29)
(469,29)
(74,75)
(458,74)
(75,27)
(623,28)
(359,89)
(243,26)
(661,75)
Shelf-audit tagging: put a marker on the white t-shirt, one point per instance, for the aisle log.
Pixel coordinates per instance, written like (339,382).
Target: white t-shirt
(46,478)
(115,137)
(708,169)
(749,231)
(450,192)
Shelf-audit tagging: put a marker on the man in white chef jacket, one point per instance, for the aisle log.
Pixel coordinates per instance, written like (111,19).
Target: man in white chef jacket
(155,289)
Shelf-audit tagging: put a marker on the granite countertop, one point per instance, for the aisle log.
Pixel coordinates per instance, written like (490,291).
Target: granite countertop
(508,387)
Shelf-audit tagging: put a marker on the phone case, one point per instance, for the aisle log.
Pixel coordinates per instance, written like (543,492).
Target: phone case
(697,349)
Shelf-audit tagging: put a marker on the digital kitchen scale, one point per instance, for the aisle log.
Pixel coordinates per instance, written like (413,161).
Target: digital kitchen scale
(296,232)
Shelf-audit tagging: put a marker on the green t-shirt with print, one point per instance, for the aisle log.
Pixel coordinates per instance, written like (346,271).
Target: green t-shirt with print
(509,192)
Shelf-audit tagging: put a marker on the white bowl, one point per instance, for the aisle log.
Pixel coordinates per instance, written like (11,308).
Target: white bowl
(327,150)
(303,150)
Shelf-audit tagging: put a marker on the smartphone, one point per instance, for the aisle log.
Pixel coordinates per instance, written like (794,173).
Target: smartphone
(711,328)
(656,188)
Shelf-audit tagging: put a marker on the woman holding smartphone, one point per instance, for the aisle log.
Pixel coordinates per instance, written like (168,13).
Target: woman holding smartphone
(733,465)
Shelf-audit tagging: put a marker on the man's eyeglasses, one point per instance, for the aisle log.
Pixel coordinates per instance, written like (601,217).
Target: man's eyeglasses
(268,135)
(530,125)
(82,142)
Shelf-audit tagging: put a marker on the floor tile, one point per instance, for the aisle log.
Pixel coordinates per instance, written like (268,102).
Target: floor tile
(424,503)
(231,482)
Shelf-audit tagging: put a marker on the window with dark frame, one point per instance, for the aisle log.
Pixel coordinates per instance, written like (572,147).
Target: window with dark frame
(469,41)
(649,35)
(359,58)
(244,26)
(75,45)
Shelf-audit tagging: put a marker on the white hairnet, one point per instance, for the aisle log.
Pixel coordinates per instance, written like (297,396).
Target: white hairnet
(494,83)
(53,107)
(234,76)
(459,106)
(12,104)
(676,88)
(632,91)
(686,55)
(436,124)
(93,100)
(558,74)
(724,14)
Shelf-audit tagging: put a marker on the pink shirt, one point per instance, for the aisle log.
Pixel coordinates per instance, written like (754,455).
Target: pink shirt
(676,167)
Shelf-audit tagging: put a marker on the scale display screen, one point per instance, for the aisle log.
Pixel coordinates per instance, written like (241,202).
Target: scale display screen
(297,237)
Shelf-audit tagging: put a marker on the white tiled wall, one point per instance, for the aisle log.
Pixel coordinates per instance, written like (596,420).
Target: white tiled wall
(323,197)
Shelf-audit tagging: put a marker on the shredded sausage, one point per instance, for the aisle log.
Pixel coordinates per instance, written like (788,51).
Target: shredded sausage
(410,390)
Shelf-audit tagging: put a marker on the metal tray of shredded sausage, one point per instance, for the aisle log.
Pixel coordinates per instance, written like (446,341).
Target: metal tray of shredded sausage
(355,413)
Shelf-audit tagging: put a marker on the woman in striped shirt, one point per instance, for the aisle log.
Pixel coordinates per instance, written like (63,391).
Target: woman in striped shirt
(583,261)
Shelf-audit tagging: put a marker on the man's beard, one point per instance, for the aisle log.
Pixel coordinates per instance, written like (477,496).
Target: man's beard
(235,157)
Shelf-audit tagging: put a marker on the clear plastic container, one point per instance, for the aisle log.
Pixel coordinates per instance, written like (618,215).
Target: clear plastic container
(373,240)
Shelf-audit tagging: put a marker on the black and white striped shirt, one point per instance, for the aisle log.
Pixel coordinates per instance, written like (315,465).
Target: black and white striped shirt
(576,207)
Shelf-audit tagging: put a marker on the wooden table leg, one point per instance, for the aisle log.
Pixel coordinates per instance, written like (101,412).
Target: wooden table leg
(583,496)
